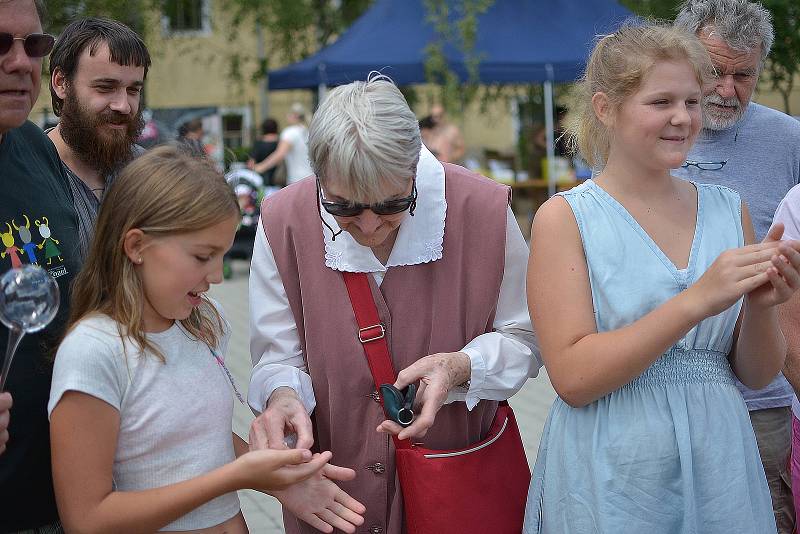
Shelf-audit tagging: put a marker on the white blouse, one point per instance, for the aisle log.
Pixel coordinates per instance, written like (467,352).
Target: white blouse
(501,360)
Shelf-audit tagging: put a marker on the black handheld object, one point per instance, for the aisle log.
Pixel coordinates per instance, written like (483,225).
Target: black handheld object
(399,404)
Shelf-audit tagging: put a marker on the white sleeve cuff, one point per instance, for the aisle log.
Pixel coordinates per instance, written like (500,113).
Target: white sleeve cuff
(268,378)
(469,393)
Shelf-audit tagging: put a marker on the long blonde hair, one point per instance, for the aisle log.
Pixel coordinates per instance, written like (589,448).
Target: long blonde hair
(163,192)
(617,66)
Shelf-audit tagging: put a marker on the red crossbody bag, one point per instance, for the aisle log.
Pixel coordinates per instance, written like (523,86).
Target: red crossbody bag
(478,489)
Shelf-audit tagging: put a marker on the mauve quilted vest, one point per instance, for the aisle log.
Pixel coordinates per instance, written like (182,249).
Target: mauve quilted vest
(428,308)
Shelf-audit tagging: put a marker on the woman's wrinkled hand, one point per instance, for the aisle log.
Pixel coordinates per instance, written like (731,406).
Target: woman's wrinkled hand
(285,415)
(437,374)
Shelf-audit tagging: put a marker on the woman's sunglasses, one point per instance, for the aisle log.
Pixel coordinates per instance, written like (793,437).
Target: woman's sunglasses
(387,207)
(35,44)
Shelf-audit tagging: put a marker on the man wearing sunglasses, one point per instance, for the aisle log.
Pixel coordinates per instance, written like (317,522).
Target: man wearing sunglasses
(35,209)
(754,150)
(98,67)
(446,261)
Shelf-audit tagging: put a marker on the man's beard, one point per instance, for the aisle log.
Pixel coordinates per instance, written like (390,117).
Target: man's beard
(105,150)
(714,119)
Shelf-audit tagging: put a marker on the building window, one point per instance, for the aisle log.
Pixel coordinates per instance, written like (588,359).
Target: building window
(233,131)
(186,16)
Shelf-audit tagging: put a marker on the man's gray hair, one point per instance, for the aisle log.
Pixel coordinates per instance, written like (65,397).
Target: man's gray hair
(742,24)
(366,137)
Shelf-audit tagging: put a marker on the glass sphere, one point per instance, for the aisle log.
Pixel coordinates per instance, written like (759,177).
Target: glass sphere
(28,298)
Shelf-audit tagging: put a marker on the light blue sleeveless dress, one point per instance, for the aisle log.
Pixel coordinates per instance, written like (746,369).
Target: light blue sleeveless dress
(673,451)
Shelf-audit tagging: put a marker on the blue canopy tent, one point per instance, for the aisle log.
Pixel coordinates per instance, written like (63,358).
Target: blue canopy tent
(519,41)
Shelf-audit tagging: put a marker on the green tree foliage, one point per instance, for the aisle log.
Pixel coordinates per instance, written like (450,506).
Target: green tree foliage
(131,12)
(783,64)
(297,28)
(656,9)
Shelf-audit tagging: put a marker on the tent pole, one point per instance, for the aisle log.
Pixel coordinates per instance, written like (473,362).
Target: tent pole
(549,126)
(322,87)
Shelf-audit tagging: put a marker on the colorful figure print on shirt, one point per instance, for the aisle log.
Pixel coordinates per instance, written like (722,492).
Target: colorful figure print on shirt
(10,247)
(24,233)
(49,242)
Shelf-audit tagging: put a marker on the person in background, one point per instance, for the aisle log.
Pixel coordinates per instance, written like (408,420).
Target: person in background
(190,137)
(442,137)
(754,150)
(788,215)
(98,68)
(263,147)
(38,225)
(292,148)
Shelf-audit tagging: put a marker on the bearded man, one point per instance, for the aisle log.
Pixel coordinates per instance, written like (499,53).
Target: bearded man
(98,67)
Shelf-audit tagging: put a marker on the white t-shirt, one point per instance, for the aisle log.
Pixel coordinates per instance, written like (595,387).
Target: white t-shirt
(788,213)
(175,417)
(297,165)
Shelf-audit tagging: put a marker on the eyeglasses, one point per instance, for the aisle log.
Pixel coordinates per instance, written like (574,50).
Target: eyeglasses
(387,207)
(711,165)
(705,165)
(35,44)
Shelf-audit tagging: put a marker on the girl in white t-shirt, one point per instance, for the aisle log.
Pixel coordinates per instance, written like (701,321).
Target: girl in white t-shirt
(140,405)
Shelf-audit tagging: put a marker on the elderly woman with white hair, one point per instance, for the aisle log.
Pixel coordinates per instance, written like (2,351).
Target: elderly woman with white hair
(446,265)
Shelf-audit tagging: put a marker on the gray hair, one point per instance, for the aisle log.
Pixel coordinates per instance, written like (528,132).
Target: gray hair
(742,24)
(366,137)
(41,10)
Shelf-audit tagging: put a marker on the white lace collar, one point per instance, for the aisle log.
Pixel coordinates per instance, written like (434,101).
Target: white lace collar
(419,239)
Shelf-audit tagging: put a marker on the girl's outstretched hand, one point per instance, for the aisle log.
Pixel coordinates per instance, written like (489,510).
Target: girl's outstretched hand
(271,470)
(743,270)
(321,503)
(783,274)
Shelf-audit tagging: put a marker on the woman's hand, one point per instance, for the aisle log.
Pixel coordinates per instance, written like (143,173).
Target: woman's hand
(285,415)
(740,271)
(437,375)
(270,470)
(321,503)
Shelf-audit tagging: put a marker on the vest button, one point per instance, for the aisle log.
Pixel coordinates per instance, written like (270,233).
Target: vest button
(377,468)
(375,530)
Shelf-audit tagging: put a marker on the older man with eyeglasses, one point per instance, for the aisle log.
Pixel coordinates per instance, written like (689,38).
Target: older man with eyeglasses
(35,203)
(754,150)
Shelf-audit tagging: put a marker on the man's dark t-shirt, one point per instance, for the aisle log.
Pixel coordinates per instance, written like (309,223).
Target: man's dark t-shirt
(37,224)
(259,152)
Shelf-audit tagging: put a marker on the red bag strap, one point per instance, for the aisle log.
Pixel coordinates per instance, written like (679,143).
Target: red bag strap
(372,335)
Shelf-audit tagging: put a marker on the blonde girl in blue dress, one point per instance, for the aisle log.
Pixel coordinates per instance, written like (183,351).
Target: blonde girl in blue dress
(648,297)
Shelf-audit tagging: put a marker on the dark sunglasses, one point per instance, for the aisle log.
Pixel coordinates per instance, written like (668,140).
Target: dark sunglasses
(35,44)
(387,207)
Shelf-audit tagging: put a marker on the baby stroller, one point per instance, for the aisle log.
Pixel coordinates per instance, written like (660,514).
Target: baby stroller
(249,189)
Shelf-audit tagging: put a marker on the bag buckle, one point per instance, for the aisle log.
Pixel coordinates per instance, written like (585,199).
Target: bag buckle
(371,333)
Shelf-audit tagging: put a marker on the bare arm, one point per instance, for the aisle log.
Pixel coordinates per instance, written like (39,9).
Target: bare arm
(789,319)
(585,365)
(240,446)
(760,347)
(84,434)
(275,158)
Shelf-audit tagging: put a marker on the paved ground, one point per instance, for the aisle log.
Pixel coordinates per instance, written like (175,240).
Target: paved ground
(262,512)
